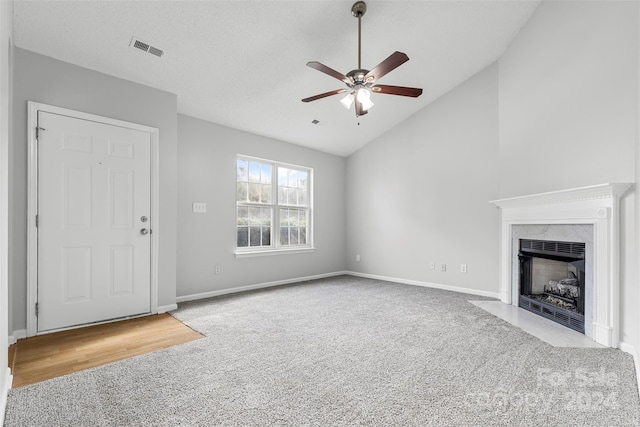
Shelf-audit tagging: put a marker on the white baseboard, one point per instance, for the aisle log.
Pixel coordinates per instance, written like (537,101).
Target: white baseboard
(17,335)
(216,293)
(6,386)
(165,308)
(495,295)
(628,348)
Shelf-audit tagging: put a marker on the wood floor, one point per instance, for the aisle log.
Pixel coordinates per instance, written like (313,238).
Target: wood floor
(48,356)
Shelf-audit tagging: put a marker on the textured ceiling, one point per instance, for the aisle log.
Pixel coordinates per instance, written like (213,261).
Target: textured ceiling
(242,63)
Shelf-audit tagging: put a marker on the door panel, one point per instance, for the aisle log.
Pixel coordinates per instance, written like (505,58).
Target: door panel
(93,188)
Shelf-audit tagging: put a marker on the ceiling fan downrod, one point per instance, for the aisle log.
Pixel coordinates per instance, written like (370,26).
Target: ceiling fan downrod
(358,10)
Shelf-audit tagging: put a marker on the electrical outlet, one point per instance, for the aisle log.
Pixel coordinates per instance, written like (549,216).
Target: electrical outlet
(199,207)
(443,267)
(432,266)
(357,258)
(218,269)
(463,268)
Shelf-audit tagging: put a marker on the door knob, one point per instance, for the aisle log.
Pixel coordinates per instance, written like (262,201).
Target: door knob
(144,231)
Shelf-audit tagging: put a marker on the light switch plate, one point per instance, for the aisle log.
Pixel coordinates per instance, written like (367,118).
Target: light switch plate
(199,207)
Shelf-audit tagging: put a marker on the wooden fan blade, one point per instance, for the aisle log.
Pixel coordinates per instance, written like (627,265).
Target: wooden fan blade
(329,71)
(394,60)
(324,95)
(413,92)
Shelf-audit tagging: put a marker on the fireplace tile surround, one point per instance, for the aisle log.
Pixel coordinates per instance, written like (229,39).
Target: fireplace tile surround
(585,214)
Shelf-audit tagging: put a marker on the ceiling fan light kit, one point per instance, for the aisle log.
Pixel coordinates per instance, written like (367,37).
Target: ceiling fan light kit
(360,82)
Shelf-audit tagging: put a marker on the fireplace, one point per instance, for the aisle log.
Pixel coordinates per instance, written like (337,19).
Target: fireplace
(552,280)
(585,214)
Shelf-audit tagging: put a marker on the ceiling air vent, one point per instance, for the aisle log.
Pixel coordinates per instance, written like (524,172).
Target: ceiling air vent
(146,47)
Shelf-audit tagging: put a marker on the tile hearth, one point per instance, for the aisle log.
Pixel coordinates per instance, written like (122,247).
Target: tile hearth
(541,328)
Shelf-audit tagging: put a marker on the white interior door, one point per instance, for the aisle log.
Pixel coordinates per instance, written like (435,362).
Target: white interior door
(94,240)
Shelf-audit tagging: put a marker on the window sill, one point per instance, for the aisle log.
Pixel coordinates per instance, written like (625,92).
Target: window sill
(269,252)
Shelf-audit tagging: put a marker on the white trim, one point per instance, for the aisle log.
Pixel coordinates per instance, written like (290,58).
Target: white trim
(268,252)
(32,201)
(166,308)
(275,247)
(227,291)
(5,392)
(17,335)
(427,284)
(592,192)
(628,348)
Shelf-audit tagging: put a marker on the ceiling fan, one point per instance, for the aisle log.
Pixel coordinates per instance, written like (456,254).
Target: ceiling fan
(360,82)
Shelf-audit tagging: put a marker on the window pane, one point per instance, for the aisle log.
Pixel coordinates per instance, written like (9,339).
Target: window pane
(284,217)
(254,216)
(243,237)
(265,176)
(242,192)
(293,178)
(254,192)
(301,194)
(302,179)
(293,235)
(242,170)
(289,200)
(266,236)
(284,236)
(254,236)
(265,197)
(303,236)
(265,217)
(243,215)
(254,172)
(283,177)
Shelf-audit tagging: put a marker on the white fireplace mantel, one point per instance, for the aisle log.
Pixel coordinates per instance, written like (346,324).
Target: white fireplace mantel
(597,205)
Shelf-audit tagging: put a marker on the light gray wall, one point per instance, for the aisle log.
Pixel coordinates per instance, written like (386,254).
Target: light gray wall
(421,192)
(206,165)
(564,114)
(6,84)
(633,255)
(49,81)
(568,98)
(569,87)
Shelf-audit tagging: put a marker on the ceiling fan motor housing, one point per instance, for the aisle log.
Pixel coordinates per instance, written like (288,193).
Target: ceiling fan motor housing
(357,76)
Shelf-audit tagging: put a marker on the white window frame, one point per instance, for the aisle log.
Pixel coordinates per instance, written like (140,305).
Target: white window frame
(275,248)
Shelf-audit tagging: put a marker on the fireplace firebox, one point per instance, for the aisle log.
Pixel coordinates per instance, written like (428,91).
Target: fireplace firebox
(552,280)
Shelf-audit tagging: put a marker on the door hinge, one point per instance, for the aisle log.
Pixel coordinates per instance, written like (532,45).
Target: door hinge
(36,221)
(37,309)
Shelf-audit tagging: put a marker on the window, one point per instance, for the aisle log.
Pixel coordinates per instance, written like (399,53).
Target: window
(273,206)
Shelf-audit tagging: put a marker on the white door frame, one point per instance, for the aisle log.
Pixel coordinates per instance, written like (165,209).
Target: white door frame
(32,201)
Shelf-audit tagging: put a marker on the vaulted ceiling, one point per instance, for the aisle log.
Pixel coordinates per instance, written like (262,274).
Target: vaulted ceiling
(242,63)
